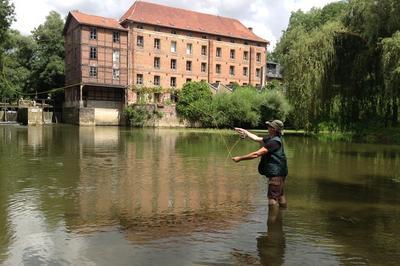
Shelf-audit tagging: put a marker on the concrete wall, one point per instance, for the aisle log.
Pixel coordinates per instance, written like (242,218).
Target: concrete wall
(87,117)
(170,118)
(79,116)
(92,116)
(70,115)
(30,116)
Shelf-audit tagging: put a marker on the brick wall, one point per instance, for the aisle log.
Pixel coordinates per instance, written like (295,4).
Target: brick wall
(143,57)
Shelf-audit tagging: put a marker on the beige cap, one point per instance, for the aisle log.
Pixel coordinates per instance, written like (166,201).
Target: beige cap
(277,124)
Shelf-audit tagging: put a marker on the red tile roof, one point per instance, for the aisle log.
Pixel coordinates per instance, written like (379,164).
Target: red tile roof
(149,13)
(91,20)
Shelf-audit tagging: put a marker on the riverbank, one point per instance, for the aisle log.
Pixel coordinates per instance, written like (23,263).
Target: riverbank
(372,136)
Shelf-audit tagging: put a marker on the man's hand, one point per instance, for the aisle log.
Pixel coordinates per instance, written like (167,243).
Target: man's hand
(242,132)
(236,159)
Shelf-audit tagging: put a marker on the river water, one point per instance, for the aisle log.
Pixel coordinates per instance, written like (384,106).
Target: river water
(120,196)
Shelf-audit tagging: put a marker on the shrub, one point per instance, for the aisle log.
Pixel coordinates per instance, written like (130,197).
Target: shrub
(244,107)
(138,115)
(194,103)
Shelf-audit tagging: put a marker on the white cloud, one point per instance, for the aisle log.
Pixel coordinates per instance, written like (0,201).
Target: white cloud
(267,17)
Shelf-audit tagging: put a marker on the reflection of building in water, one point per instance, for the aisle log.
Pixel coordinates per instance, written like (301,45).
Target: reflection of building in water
(142,183)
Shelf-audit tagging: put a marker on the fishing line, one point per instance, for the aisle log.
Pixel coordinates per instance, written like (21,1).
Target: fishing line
(216,125)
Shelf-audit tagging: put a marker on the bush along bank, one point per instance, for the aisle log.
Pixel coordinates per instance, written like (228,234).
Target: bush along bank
(245,107)
(139,114)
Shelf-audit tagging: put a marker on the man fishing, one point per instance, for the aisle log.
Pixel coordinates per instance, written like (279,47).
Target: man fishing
(273,162)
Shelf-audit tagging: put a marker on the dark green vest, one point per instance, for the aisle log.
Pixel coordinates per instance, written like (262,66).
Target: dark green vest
(274,163)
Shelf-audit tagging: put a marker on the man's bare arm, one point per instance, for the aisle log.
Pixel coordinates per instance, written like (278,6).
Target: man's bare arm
(250,156)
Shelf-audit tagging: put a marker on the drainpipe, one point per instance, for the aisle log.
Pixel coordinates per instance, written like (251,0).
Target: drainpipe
(80,96)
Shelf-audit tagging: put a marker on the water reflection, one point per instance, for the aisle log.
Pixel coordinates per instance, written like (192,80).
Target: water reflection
(271,246)
(140,183)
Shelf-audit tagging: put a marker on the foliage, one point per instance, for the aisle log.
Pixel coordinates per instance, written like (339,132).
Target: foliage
(148,90)
(237,108)
(31,64)
(138,115)
(245,107)
(273,85)
(194,103)
(6,18)
(48,62)
(341,64)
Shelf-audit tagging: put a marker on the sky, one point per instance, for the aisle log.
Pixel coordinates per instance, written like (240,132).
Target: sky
(268,18)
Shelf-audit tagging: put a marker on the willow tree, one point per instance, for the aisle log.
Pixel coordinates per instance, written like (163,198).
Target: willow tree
(340,66)
(391,71)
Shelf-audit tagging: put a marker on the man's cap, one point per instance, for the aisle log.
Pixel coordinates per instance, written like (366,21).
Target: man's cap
(277,124)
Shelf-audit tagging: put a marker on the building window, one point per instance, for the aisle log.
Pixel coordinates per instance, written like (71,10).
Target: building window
(173,32)
(188,65)
(157,29)
(93,71)
(156,62)
(173,46)
(188,80)
(218,69)
(157,80)
(93,52)
(189,48)
(139,26)
(204,36)
(157,44)
(218,52)
(139,79)
(115,73)
(258,57)
(115,56)
(93,33)
(115,36)
(232,40)
(218,38)
(173,82)
(245,71)
(246,55)
(203,67)
(258,72)
(173,64)
(231,70)
(139,41)
(203,50)
(232,54)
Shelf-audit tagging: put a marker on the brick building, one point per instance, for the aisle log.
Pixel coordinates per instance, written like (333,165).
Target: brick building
(152,46)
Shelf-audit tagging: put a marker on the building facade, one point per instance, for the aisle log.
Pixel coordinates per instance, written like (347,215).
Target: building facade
(108,61)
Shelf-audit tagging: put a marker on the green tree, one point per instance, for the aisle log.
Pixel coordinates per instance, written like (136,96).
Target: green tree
(244,107)
(18,53)
(341,65)
(48,63)
(6,18)
(194,103)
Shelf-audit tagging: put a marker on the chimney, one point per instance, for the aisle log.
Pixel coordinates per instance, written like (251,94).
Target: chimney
(250,29)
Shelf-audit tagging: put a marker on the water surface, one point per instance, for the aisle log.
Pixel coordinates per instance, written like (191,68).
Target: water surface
(120,196)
